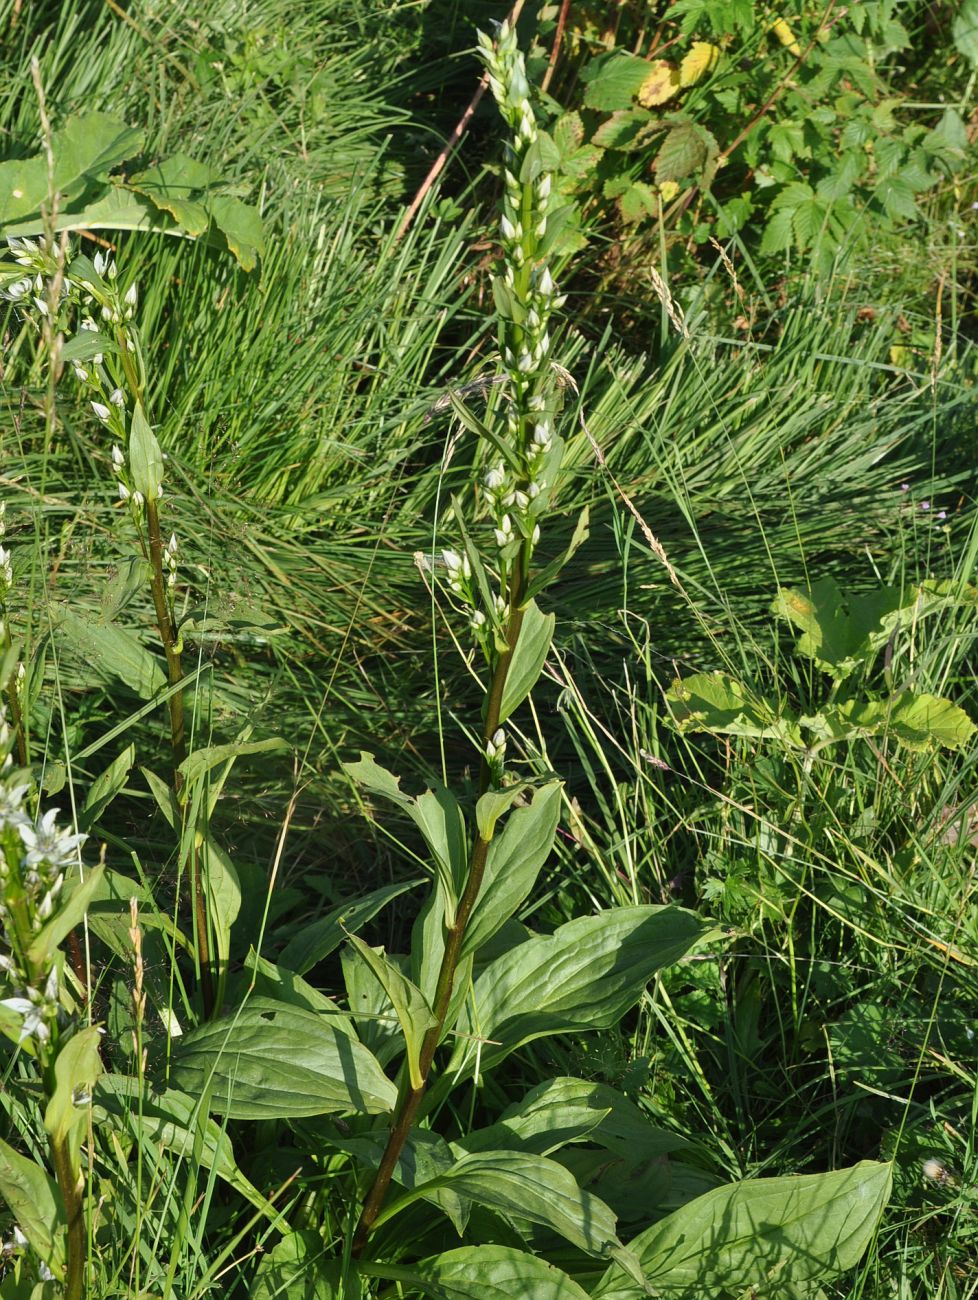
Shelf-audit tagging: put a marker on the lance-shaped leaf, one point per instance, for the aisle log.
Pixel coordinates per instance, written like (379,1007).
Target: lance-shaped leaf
(584,976)
(513,863)
(316,941)
(299,1267)
(791,1230)
(106,786)
(436,814)
(494,1273)
(76,1069)
(532,644)
(145,457)
(409,1003)
(33,1199)
(271,1061)
(543,579)
(526,1187)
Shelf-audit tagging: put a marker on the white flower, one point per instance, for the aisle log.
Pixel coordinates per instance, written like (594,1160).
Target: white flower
(81,374)
(525,363)
(98,261)
(541,436)
(546,285)
(543,187)
(494,478)
(452,561)
(6,568)
(41,306)
(478,620)
(45,843)
(536,534)
(510,230)
(117,397)
(118,460)
(12,805)
(138,499)
(33,1025)
(496,747)
(131,295)
(123,492)
(101,410)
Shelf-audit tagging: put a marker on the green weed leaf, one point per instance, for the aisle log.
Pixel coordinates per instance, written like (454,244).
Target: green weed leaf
(718,703)
(114,652)
(316,941)
(411,1006)
(145,457)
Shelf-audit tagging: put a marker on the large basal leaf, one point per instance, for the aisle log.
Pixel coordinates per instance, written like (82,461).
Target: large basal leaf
(494,1273)
(584,976)
(789,1229)
(270,1060)
(323,936)
(842,633)
(526,1187)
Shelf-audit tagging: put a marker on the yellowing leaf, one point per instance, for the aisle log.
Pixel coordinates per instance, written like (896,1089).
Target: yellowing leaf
(661,84)
(702,58)
(668,190)
(786,36)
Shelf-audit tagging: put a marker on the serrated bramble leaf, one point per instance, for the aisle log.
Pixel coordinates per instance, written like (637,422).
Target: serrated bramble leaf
(661,83)
(701,59)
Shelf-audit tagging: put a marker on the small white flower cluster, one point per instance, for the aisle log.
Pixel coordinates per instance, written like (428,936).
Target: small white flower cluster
(526,298)
(170,561)
(34,856)
(43,261)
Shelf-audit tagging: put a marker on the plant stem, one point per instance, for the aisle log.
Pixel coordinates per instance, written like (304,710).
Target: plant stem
(71,1186)
(411,1098)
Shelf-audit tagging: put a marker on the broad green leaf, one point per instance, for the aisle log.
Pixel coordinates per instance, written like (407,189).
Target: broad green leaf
(222,887)
(584,976)
(413,1012)
(317,940)
(117,209)
(718,703)
(110,650)
(76,1069)
(300,1267)
(686,149)
(622,129)
(793,1229)
(843,633)
(918,721)
(145,457)
(179,1124)
(614,81)
(33,1199)
(69,914)
(106,786)
(568,133)
(532,645)
(527,1187)
(172,184)
(271,1061)
(638,202)
(513,863)
(201,761)
(87,343)
(494,1273)
(85,149)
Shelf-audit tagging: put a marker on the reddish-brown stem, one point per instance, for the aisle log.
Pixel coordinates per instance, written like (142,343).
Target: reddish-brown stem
(555,52)
(411,1097)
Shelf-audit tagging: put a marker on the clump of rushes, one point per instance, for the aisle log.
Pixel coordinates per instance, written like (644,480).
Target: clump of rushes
(40,1014)
(492,583)
(85,301)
